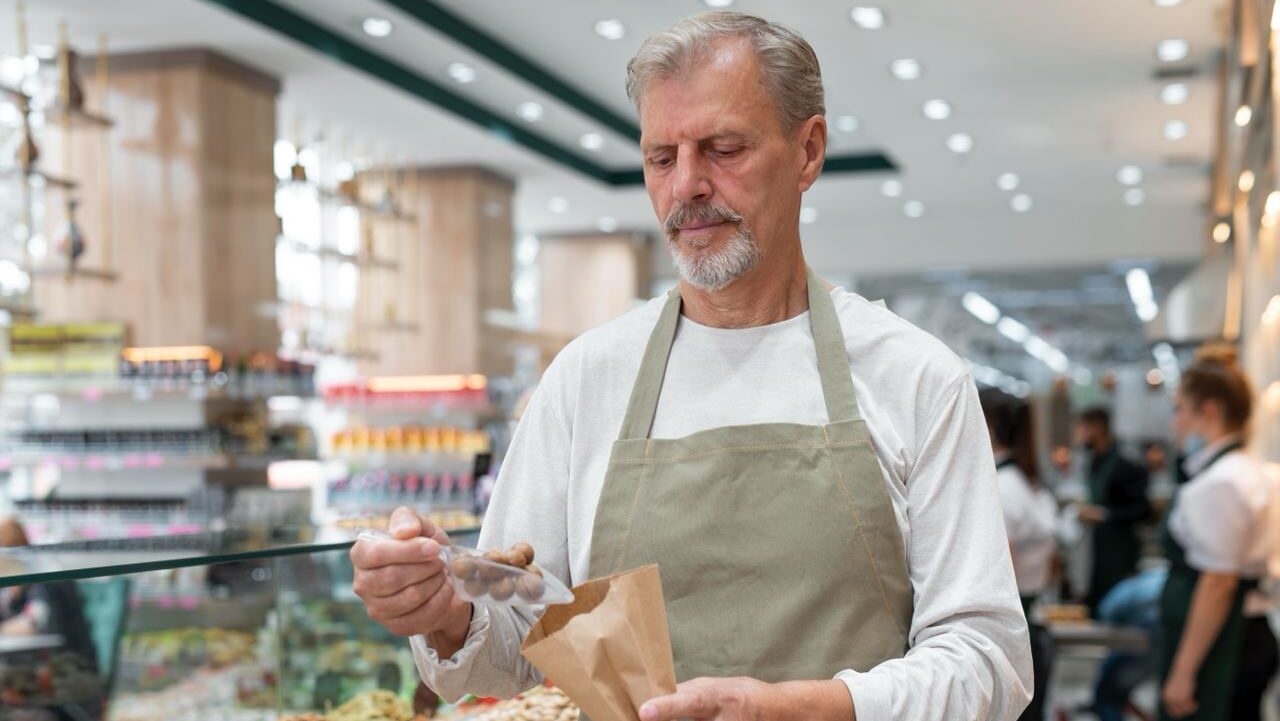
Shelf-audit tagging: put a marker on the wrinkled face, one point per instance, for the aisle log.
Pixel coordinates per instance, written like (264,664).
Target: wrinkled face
(724,177)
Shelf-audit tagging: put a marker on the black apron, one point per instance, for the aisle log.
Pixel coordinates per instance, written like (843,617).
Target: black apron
(1116,547)
(1216,678)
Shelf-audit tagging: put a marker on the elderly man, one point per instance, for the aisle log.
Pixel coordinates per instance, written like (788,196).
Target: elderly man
(811,473)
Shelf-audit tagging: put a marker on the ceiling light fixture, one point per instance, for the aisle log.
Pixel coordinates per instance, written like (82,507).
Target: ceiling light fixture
(461,73)
(1174,94)
(960,143)
(891,188)
(1007,182)
(808,215)
(1020,203)
(607,224)
(1243,115)
(1129,175)
(611,29)
(558,205)
(1246,181)
(1133,197)
(1013,330)
(906,69)
(867,17)
(1172,50)
(937,109)
(913,209)
(1167,3)
(1140,292)
(981,308)
(1176,130)
(847,124)
(376,27)
(591,141)
(529,111)
(717,3)
(1222,232)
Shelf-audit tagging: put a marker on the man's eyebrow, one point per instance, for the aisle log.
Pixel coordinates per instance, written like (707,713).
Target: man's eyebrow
(647,148)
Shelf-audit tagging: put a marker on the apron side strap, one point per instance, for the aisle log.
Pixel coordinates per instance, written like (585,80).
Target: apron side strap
(643,406)
(833,357)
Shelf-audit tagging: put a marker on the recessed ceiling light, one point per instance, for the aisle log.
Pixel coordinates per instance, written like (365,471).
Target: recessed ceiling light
(530,111)
(891,188)
(607,224)
(1008,182)
(1174,94)
(1244,114)
(718,3)
(1167,3)
(937,109)
(591,141)
(611,29)
(847,124)
(1129,175)
(376,27)
(558,205)
(1172,50)
(960,143)
(48,52)
(1176,130)
(461,72)
(1222,232)
(808,215)
(905,69)
(1246,181)
(1134,197)
(867,17)
(913,209)
(1020,203)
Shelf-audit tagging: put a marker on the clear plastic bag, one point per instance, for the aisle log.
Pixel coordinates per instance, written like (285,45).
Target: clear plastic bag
(480,580)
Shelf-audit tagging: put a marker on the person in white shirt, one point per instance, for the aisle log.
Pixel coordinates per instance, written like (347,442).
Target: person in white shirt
(1030,518)
(1215,540)
(810,473)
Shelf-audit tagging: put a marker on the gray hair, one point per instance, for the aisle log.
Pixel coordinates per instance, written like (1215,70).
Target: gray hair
(787,61)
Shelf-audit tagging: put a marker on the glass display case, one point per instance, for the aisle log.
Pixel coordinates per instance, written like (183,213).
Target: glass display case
(232,624)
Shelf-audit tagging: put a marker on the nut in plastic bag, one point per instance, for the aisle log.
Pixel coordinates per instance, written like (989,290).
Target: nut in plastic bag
(481,580)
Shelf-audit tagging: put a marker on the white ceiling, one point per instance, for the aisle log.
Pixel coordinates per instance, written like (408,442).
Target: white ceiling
(1063,96)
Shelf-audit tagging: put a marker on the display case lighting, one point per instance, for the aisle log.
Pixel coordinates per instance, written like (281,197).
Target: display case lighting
(156,354)
(427,384)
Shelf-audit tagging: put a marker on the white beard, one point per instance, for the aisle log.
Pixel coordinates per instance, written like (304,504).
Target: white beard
(713,271)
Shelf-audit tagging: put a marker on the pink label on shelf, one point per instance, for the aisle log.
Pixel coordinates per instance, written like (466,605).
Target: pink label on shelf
(6,463)
(92,395)
(95,463)
(88,532)
(188,603)
(182,529)
(139,531)
(131,460)
(69,462)
(153,460)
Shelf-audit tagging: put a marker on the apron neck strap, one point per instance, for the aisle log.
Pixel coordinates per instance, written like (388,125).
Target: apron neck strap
(833,362)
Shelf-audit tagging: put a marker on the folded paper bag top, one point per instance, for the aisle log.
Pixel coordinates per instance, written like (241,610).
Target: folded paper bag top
(609,650)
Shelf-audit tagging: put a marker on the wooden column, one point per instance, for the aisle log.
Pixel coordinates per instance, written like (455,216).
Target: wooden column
(455,265)
(587,280)
(192,204)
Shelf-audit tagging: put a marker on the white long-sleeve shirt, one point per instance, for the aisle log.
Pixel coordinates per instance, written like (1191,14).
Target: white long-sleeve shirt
(1030,518)
(969,655)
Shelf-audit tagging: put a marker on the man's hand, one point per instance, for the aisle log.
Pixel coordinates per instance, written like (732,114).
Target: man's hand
(403,584)
(1091,514)
(1179,695)
(746,699)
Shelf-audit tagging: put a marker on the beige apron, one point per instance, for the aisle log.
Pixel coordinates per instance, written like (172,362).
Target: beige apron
(779,553)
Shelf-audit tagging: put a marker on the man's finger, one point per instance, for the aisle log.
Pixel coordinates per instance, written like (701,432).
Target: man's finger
(368,553)
(426,618)
(389,580)
(688,703)
(405,523)
(409,599)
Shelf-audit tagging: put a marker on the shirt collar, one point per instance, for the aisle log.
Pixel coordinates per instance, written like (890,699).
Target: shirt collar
(1201,459)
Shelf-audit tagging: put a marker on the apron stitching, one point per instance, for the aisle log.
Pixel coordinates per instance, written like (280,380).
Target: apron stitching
(635,504)
(875,566)
(727,449)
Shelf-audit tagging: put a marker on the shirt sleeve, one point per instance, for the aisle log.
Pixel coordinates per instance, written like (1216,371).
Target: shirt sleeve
(969,653)
(528,505)
(1213,522)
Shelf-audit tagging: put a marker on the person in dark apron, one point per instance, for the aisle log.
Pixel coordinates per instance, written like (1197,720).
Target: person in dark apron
(1118,503)
(1214,541)
(1030,517)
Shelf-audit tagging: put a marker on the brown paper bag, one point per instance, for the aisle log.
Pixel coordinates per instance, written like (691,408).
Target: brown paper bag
(609,650)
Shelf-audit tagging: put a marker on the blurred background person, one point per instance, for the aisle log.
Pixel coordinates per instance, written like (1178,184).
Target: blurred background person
(1118,505)
(1134,602)
(1214,541)
(1030,515)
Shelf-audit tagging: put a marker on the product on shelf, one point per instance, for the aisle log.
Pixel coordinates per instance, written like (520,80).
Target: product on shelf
(376,705)
(163,657)
(61,679)
(447,521)
(457,391)
(538,704)
(410,440)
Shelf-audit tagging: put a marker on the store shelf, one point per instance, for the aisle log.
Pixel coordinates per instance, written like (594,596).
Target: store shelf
(409,462)
(37,178)
(96,390)
(355,259)
(333,197)
(134,461)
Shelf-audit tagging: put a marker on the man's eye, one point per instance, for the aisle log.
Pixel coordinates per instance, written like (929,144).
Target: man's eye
(726,152)
(660,162)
